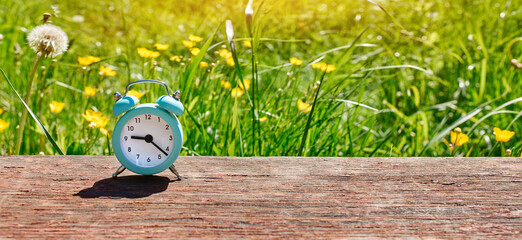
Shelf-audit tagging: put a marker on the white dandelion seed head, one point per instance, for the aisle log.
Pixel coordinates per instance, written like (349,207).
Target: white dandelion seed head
(248,10)
(48,39)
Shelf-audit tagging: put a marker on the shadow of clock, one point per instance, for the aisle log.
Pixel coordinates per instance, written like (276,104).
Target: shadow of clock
(136,186)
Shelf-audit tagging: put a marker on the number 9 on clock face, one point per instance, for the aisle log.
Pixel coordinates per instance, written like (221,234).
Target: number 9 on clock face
(147,140)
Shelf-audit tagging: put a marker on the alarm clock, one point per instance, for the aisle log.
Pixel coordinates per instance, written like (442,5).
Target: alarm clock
(147,137)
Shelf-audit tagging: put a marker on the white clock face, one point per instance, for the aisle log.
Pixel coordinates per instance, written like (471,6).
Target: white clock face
(146,140)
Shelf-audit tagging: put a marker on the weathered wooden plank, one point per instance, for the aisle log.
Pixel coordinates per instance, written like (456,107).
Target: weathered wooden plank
(74,196)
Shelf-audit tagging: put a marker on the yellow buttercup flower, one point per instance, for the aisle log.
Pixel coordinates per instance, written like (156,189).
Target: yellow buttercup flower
(56,107)
(247,43)
(303,107)
(295,61)
(1,111)
(104,131)
(154,54)
(175,58)
(136,93)
(328,68)
(230,61)
(107,71)
(188,44)
(195,51)
(318,65)
(96,118)
(203,64)
(262,119)
(3,125)
(86,61)
(90,91)
(237,92)
(161,47)
(224,53)
(458,138)
(146,53)
(195,38)
(247,84)
(226,84)
(503,135)
(143,52)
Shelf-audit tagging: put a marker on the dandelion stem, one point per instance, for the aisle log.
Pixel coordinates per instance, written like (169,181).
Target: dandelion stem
(303,141)
(36,62)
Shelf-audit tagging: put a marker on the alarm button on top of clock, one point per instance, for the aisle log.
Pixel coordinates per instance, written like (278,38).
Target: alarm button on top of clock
(149,139)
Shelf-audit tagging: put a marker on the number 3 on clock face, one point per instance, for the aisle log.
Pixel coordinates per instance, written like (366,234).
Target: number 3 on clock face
(148,139)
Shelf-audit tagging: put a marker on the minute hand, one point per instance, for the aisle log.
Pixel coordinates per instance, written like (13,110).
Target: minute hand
(159,149)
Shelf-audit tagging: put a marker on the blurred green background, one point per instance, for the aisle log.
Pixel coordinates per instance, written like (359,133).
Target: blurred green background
(421,68)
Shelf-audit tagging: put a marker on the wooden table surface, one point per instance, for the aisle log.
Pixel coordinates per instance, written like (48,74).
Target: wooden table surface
(285,197)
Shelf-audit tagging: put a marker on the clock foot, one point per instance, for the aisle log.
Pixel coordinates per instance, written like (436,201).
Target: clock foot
(175,171)
(120,170)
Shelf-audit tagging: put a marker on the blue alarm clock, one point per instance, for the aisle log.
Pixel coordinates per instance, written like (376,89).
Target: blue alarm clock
(148,137)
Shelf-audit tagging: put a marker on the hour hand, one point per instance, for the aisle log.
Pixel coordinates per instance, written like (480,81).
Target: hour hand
(137,137)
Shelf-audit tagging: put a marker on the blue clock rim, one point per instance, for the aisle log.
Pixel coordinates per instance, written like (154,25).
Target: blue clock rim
(148,108)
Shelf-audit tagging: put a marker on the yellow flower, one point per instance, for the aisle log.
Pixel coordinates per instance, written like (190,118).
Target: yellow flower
(145,53)
(503,135)
(175,58)
(135,93)
(247,84)
(96,118)
(195,38)
(3,125)
(247,43)
(56,107)
(195,51)
(304,107)
(1,111)
(154,54)
(318,65)
(104,131)
(90,91)
(263,119)
(161,47)
(226,84)
(230,62)
(296,61)
(107,71)
(86,61)
(236,92)
(328,68)
(458,138)
(224,53)
(203,64)
(188,44)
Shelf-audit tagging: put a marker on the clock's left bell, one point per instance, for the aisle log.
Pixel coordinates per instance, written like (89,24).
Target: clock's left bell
(124,104)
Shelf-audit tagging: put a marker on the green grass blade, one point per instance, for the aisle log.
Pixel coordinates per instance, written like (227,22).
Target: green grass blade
(47,134)
(429,72)
(303,140)
(387,13)
(109,145)
(197,59)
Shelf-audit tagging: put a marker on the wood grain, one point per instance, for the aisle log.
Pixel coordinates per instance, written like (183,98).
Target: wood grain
(279,197)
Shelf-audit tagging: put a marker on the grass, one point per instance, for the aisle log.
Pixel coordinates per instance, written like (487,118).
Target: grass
(408,72)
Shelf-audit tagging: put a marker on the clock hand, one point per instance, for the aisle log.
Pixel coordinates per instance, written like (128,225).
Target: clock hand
(149,139)
(159,148)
